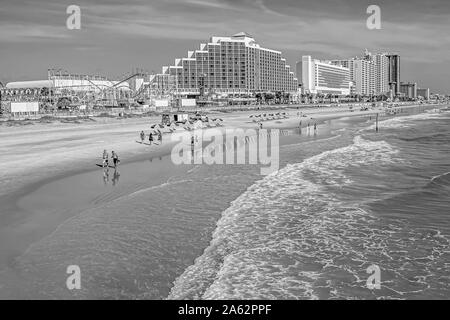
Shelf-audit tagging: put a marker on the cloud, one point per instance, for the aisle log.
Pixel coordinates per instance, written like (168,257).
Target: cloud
(32,33)
(417,29)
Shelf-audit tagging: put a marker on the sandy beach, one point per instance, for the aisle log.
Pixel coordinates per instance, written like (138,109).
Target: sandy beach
(77,147)
(41,190)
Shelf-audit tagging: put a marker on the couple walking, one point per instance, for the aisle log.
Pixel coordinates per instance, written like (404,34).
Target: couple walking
(114,158)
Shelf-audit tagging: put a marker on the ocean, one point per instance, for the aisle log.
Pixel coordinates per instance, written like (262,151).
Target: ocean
(341,202)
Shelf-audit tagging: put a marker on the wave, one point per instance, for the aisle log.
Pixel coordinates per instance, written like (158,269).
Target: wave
(442,180)
(274,241)
(433,137)
(406,121)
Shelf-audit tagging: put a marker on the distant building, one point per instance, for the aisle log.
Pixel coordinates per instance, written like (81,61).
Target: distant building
(324,77)
(409,90)
(229,65)
(424,93)
(394,72)
(369,73)
(381,73)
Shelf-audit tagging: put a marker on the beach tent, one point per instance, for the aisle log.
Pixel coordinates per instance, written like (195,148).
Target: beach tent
(198,124)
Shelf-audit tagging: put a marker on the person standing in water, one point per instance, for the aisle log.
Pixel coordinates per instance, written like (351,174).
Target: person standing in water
(142,136)
(315,128)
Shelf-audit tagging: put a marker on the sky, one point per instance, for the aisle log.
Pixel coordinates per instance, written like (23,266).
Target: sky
(117,36)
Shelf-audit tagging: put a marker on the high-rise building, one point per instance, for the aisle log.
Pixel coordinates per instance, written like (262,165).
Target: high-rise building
(324,77)
(381,73)
(235,64)
(409,90)
(394,72)
(369,73)
(364,76)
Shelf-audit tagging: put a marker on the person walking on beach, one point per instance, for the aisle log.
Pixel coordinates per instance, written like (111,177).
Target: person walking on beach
(192,142)
(105,159)
(150,138)
(142,136)
(115,159)
(160,137)
(315,128)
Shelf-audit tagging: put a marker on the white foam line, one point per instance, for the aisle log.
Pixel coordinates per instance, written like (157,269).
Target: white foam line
(368,149)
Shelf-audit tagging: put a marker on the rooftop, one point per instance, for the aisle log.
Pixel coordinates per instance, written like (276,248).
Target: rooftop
(29,84)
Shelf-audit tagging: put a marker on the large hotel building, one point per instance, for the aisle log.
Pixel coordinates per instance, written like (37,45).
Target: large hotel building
(229,65)
(323,77)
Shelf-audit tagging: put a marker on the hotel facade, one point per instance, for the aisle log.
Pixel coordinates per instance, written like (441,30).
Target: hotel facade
(323,77)
(229,65)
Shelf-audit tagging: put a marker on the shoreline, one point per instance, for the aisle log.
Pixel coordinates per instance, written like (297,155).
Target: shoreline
(28,200)
(136,155)
(13,199)
(86,165)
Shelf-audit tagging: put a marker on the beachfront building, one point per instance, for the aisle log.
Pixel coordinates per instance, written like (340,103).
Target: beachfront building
(424,93)
(369,73)
(409,90)
(381,61)
(229,65)
(394,72)
(323,77)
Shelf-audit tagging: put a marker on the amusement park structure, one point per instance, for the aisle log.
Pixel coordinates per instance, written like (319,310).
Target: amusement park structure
(64,90)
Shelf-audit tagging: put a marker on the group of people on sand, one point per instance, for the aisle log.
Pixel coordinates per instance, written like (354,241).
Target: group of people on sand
(114,158)
(151,137)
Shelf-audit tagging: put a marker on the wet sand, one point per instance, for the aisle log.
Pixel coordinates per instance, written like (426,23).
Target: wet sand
(38,208)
